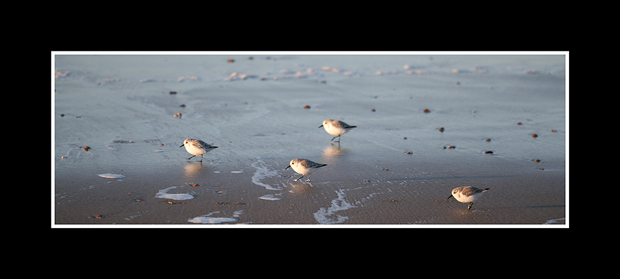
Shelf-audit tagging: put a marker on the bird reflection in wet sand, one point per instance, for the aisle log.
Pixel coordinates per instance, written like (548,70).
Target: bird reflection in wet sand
(192,170)
(333,151)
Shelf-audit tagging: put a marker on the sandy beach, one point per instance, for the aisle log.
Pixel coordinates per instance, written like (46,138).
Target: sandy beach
(425,124)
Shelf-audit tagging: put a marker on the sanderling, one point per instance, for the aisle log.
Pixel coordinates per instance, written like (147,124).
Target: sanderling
(336,128)
(467,194)
(197,147)
(304,167)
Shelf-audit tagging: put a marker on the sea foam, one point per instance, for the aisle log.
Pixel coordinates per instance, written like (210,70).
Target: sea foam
(111,175)
(205,219)
(163,194)
(263,172)
(324,215)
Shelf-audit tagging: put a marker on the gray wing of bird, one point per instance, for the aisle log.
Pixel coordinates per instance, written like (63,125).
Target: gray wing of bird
(341,124)
(310,164)
(468,191)
(202,144)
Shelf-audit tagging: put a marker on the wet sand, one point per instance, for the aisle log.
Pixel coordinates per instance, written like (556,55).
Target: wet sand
(253,110)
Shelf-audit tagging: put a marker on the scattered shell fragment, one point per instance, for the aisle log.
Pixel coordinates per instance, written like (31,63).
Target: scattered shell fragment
(426,110)
(177,115)
(553,131)
(536,160)
(487,139)
(188,78)
(86,148)
(306,106)
(488,152)
(60,73)
(195,185)
(441,129)
(98,216)
(373,110)
(230,60)
(534,135)
(172,92)
(410,152)
(519,123)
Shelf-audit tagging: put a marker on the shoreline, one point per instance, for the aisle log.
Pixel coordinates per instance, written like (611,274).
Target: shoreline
(366,194)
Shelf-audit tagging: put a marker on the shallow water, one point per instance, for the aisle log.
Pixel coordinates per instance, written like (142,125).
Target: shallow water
(252,110)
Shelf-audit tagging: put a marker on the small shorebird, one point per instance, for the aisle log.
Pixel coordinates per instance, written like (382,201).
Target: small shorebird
(304,167)
(336,128)
(467,194)
(197,147)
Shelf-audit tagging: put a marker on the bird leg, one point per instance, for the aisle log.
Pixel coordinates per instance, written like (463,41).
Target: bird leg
(470,204)
(298,178)
(200,158)
(335,138)
(191,157)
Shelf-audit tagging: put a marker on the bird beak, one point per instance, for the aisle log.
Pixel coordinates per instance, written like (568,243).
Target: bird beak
(182,145)
(287,167)
(449,197)
(321,126)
